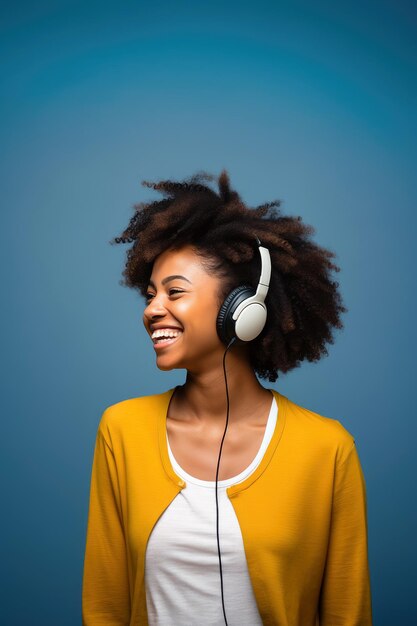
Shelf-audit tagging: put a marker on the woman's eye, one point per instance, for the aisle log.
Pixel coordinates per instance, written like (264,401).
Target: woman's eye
(171,292)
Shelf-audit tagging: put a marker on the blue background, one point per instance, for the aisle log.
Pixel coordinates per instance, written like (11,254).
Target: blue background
(310,102)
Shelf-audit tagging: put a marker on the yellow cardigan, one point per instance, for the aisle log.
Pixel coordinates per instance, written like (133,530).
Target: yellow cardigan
(302,515)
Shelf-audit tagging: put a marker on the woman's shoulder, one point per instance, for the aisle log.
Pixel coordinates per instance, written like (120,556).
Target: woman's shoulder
(134,413)
(312,426)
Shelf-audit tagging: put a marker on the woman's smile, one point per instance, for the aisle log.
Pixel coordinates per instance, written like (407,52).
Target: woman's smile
(165,337)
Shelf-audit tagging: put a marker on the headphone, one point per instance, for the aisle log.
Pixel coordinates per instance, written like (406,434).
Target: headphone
(243,313)
(242,317)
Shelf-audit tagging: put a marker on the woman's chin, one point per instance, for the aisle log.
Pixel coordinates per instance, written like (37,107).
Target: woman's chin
(165,364)
(165,368)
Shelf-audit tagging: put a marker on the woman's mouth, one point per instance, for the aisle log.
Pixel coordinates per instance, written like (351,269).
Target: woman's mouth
(164,337)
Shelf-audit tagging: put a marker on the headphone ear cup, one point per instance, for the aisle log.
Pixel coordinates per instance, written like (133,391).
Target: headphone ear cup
(225,322)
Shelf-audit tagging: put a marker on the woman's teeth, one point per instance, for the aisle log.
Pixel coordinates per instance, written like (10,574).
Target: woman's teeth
(165,334)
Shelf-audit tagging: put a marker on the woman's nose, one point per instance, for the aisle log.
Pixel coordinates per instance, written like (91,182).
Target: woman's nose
(155,308)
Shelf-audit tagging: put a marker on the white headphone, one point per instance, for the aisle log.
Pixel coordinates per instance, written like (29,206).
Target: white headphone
(243,313)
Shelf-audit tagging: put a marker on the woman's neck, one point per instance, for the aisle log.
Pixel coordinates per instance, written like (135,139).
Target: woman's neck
(203,396)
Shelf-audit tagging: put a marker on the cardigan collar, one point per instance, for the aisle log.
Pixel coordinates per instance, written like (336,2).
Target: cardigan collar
(234,489)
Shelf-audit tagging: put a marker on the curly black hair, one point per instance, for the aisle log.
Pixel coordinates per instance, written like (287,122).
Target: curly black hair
(303,301)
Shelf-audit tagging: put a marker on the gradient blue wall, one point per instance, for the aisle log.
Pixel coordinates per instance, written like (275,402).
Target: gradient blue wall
(310,102)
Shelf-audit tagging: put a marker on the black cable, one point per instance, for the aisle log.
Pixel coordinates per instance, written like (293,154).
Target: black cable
(217,476)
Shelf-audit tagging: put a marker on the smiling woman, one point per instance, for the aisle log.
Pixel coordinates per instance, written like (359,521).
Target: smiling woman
(287,505)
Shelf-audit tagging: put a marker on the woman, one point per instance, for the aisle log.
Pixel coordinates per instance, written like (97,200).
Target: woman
(222,501)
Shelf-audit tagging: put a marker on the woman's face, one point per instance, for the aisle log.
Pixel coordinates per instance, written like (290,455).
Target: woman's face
(183,301)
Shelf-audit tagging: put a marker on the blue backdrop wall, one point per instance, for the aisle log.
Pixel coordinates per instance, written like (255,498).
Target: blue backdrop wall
(312,103)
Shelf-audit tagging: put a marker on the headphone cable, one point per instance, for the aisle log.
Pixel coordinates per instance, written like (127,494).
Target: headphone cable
(217,475)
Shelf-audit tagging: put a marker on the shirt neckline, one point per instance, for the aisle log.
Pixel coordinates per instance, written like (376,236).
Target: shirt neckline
(227,482)
(236,488)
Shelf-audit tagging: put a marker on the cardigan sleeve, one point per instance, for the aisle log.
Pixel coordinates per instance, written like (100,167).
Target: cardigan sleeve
(345,598)
(105,593)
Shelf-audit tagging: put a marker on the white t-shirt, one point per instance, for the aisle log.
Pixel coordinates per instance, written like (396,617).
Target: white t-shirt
(182,573)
